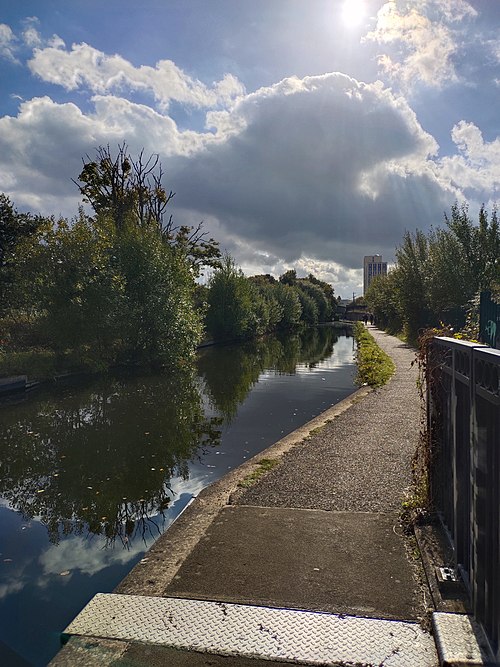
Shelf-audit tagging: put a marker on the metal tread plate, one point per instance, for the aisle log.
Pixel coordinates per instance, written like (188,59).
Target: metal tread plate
(460,640)
(292,635)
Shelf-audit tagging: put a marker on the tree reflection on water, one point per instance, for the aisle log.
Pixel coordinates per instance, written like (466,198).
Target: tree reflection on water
(98,458)
(230,376)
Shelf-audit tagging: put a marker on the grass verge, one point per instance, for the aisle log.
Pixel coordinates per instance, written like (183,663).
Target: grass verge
(375,367)
(263,466)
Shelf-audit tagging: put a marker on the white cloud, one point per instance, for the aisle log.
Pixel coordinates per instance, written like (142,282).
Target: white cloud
(8,44)
(86,67)
(15,584)
(41,148)
(476,166)
(31,36)
(77,554)
(422,37)
(324,167)
(313,172)
(452,10)
(332,272)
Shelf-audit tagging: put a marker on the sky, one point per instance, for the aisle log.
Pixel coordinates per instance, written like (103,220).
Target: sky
(303,133)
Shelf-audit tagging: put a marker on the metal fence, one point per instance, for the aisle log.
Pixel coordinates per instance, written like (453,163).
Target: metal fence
(464,425)
(489,320)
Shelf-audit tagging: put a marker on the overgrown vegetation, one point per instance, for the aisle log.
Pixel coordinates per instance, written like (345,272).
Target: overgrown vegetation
(417,502)
(433,290)
(438,277)
(115,287)
(120,286)
(375,367)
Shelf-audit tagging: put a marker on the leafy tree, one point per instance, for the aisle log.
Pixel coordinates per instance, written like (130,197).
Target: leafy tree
(289,301)
(411,280)
(125,189)
(289,277)
(230,312)
(382,299)
(450,281)
(438,277)
(479,244)
(81,292)
(264,279)
(317,294)
(159,324)
(327,289)
(111,294)
(316,297)
(310,311)
(269,311)
(464,259)
(17,231)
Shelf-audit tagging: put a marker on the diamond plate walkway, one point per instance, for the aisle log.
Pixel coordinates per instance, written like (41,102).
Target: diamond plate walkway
(308,566)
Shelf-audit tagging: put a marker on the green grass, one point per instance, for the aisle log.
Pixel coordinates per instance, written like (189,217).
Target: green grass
(375,367)
(264,465)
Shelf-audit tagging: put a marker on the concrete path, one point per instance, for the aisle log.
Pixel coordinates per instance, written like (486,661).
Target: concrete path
(361,461)
(320,532)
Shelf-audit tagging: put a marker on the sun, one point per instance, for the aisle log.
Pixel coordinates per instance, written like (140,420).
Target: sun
(353,12)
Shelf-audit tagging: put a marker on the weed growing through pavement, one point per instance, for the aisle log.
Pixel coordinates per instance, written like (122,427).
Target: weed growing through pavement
(263,466)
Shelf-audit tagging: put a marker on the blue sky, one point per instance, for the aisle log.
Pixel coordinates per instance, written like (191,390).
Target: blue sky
(304,133)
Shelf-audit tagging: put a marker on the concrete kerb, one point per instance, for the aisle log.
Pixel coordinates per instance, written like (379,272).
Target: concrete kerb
(155,571)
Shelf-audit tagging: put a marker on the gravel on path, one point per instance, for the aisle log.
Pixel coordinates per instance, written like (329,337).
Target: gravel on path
(359,462)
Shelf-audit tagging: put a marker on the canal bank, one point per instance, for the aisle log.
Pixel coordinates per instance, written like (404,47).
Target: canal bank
(307,565)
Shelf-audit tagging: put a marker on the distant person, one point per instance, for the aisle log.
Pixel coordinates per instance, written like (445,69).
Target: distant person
(365,319)
(371,319)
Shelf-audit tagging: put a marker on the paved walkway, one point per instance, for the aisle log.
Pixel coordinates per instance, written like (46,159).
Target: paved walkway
(361,461)
(320,532)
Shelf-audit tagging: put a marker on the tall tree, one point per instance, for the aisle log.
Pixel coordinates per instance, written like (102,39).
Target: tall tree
(382,299)
(479,245)
(125,188)
(16,229)
(231,309)
(411,280)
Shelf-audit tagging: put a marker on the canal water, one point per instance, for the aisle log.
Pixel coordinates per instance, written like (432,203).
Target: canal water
(92,473)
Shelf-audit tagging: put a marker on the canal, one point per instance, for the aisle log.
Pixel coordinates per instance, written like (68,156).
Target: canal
(91,473)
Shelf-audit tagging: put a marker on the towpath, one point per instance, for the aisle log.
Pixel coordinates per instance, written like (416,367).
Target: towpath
(239,579)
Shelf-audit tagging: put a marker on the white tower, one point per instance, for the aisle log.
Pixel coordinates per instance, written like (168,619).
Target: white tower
(372,266)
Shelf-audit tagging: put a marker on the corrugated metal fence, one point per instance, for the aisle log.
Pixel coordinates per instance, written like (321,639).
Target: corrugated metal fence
(464,423)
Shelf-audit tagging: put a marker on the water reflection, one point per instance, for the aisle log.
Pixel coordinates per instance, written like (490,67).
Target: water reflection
(98,459)
(112,461)
(231,375)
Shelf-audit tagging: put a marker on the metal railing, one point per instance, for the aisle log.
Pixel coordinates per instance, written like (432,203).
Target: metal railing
(463,389)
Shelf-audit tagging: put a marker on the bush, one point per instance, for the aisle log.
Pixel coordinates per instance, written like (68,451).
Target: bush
(38,364)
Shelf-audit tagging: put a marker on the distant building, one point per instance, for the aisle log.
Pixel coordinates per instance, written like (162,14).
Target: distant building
(372,266)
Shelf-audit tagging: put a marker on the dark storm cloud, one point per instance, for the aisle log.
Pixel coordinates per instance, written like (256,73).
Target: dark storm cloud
(323,167)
